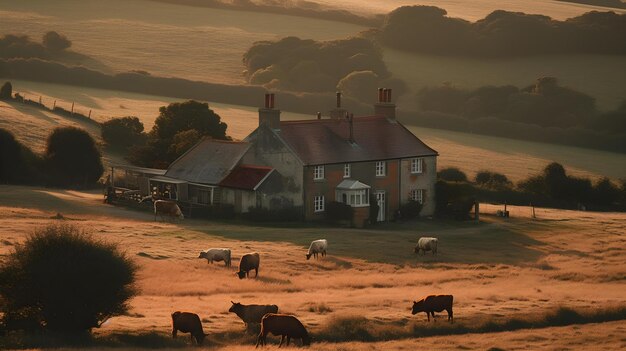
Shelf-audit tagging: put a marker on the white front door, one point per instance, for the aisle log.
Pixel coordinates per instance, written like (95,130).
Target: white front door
(380,199)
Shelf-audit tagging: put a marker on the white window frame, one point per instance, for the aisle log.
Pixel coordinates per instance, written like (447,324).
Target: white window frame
(318,203)
(417,195)
(381,168)
(318,173)
(347,170)
(417,165)
(355,198)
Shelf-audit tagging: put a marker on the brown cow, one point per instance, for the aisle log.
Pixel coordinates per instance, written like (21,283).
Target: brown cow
(167,208)
(434,303)
(187,322)
(252,314)
(247,263)
(284,325)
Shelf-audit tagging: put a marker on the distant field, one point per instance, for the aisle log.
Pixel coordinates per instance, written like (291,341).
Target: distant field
(497,270)
(207,44)
(517,159)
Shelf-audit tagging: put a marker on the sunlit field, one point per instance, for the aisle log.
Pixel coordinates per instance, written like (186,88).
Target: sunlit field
(469,152)
(497,270)
(207,44)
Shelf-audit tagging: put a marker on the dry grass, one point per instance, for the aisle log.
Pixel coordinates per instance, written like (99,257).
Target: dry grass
(503,273)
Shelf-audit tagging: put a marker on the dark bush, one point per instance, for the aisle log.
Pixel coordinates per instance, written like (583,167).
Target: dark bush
(454,199)
(72,158)
(123,132)
(492,180)
(410,210)
(189,115)
(55,41)
(374,208)
(18,164)
(6,92)
(452,174)
(63,280)
(338,211)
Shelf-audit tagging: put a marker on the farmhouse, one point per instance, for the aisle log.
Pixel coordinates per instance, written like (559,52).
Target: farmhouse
(306,165)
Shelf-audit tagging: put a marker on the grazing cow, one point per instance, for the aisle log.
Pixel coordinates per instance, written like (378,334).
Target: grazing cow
(187,322)
(252,314)
(317,247)
(426,244)
(247,263)
(167,208)
(284,325)
(216,254)
(434,303)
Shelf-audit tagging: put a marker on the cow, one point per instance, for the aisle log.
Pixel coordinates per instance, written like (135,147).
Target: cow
(317,247)
(284,325)
(167,208)
(187,322)
(426,244)
(252,314)
(216,254)
(434,303)
(247,263)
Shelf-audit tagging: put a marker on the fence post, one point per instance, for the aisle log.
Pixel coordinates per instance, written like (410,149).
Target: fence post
(89,114)
(477,211)
(72,109)
(54,105)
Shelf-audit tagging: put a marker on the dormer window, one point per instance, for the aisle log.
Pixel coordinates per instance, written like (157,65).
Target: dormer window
(346,170)
(381,168)
(318,173)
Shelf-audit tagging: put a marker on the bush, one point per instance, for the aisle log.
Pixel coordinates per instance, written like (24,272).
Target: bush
(18,164)
(374,208)
(338,211)
(63,280)
(122,132)
(410,210)
(6,92)
(452,174)
(72,157)
(493,180)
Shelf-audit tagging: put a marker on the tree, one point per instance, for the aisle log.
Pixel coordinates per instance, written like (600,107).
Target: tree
(55,41)
(72,157)
(61,279)
(182,142)
(452,174)
(123,132)
(6,92)
(178,117)
(492,180)
(18,164)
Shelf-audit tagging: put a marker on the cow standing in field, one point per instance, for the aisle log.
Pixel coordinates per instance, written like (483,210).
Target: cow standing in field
(247,263)
(252,314)
(216,254)
(317,247)
(167,209)
(434,303)
(187,322)
(426,244)
(287,326)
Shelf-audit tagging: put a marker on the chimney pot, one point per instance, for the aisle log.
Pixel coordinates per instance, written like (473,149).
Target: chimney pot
(338,99)
(380,95)
(319,115)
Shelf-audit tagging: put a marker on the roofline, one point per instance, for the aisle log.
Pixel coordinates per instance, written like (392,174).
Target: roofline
(416,137)
(204,138)
(287,146)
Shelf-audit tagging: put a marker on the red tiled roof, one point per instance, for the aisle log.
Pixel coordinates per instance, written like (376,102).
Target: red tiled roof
(326,141)
(246,177)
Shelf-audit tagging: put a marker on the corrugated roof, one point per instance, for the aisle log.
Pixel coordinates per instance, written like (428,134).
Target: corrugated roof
(208,162)
(246,177)
(326,141)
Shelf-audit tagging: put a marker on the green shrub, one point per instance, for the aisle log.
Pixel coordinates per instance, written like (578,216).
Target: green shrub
(63,280)
(410,209)
(123,132)
(72,157)
(338,211)
(452,174)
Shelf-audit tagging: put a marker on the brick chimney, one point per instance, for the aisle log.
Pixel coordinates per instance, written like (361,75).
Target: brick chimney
(338,112)
(268,114)
(384,106)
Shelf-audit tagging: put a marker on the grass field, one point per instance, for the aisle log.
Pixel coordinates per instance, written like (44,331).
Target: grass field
(207,44)
(497,270)
(469,152)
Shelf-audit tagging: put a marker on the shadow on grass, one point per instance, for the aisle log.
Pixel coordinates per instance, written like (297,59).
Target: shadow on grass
(149,340)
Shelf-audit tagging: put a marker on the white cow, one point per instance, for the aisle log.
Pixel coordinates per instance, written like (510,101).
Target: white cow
(317,247)
(167,208)
(426,244)
(216,254)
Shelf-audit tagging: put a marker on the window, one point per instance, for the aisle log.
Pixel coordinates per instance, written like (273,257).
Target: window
(354,198)
(318,172)
(318,203)
(346,170)
(417,195)
(417,165)
(381,169)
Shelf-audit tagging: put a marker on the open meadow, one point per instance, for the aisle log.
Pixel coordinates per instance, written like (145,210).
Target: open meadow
(470,152)
(498,271)
(207,44)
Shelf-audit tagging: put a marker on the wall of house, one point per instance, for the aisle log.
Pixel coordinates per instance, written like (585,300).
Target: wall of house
(425,180)
(242,200)
(364,172)
(285,188)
